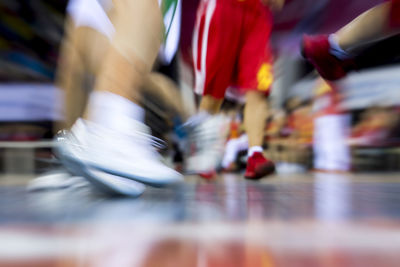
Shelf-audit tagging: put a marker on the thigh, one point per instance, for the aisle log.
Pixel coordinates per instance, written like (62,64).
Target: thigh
(215,47)
(255,59)
(138,30)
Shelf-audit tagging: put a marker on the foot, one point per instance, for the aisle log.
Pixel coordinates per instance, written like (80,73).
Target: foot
(206,145)
(131,155)
(316,49)
(56,180)
(258,166)
(208,175)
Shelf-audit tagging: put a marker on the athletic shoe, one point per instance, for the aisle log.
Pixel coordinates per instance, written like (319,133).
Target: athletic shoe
(56,180)
(208,175)
(316,49)
(258,166)
(131,155)
(206,145)
(113,184)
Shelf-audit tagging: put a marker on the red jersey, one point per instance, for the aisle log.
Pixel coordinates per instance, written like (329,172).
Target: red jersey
(231,47)
(245,3)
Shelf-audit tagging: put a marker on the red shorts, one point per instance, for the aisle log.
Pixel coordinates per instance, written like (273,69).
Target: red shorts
(231,47)
(395,14)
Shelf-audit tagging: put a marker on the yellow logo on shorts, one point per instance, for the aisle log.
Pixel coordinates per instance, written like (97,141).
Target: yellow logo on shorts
(264,77)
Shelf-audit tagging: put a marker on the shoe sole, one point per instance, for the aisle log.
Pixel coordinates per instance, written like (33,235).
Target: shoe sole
(208,176)
(140,179)
(262,172)
(106,183)
(135,178)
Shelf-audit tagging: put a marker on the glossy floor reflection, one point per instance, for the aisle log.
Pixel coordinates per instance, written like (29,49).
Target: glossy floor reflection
(301,220)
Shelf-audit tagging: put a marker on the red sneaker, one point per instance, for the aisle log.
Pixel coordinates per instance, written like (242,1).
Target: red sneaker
(258,166)
(208,175)
(316,50)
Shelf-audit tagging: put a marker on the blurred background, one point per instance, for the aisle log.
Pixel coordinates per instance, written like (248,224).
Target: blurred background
(31,104)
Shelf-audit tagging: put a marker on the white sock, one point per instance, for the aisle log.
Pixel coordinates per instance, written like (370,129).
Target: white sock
(254,149)
(336,50)
(113,111)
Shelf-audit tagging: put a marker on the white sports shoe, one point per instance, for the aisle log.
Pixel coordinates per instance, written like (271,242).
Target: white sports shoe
(131,154)
(56,180)
(206,142)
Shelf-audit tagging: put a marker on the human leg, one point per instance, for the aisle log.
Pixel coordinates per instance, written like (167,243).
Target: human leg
(112,137)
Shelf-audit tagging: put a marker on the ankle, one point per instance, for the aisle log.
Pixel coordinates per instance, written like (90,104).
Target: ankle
(254,149)
(336,49)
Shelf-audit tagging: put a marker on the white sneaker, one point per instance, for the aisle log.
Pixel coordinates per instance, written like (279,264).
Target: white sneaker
(113,184)
(130,155)
(56,180)
(207,141)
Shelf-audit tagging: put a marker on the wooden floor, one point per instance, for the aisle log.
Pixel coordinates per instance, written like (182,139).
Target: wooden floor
(298,220)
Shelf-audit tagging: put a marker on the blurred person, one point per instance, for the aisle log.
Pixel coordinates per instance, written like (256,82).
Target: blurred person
(330,54)
(290,136)
(232,150)
(331,131)
(111,138)
(236,143)
(374,128)
(275,123)
(87,40)
(282,128)
(231,48)
(301,138)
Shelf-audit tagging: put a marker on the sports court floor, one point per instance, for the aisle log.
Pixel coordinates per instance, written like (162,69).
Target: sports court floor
(293,220)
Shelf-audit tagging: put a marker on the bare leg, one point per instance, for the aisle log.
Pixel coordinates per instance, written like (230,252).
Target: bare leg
(138,34)
(79,56)
(369,26)
(210,104)
(160,85)
(70,78)
(255,115)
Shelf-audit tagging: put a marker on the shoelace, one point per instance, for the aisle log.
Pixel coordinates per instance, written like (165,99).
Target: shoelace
(152,140)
